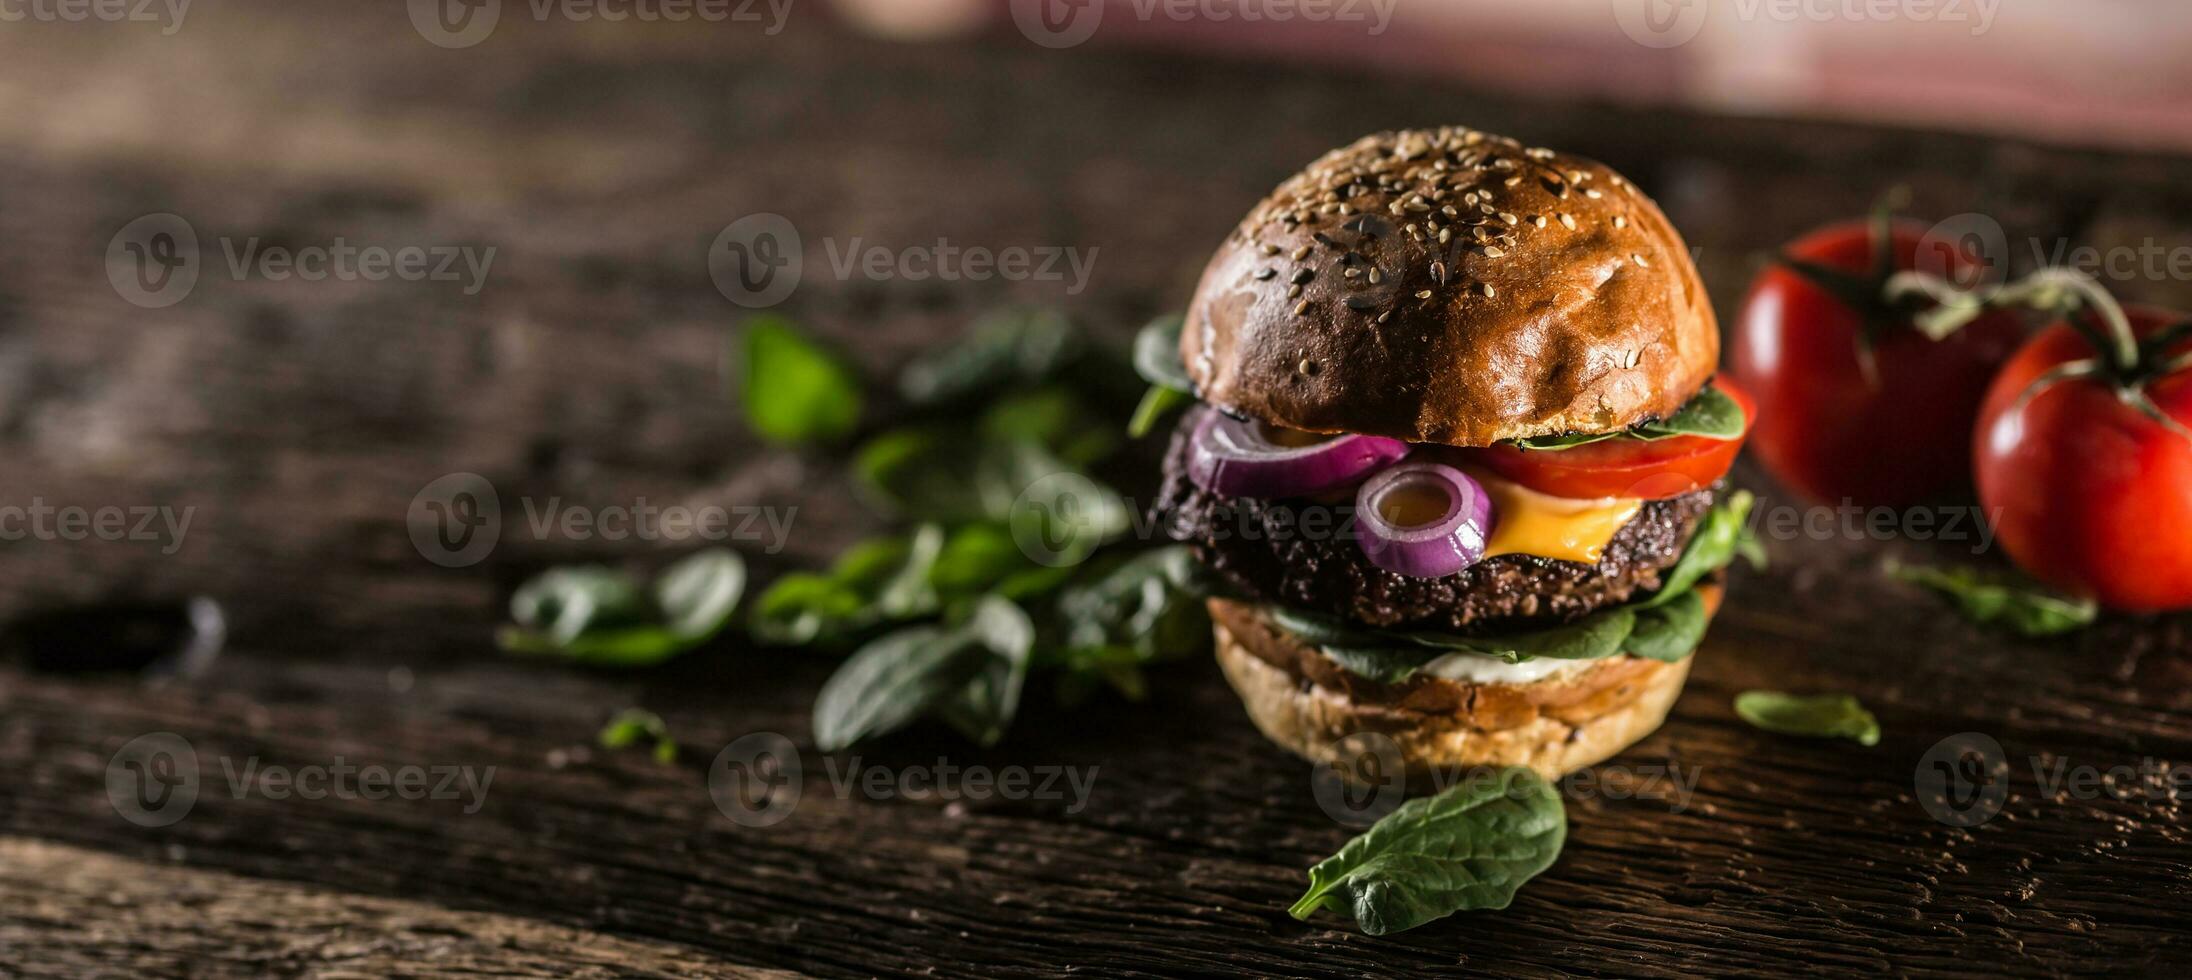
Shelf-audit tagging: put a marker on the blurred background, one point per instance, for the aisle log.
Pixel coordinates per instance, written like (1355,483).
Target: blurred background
(566,168)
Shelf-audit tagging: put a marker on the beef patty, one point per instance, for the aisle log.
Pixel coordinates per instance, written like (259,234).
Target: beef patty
(1303,554)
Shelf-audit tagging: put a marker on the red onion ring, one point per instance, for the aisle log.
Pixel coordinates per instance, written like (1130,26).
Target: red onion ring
(1232,458)
(1435,549)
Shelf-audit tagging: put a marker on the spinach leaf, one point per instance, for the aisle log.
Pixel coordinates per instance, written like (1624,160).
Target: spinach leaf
(561,604)
(1593,637)
(1005,348)
(601,617)
(794,391)
(633,724)
(969,674)
(1390,665)
(985,707)
(893,681)
(1056,419)
(1711,413)
(1158,402)
(1669,631)
(1999,600)
(1820,715)
(697,594)
(1157,354)
(1467,848)
(1718,537)
(983,557)
(1141,611)
(926,474)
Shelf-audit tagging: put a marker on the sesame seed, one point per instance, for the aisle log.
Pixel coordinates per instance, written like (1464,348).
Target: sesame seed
(1264,274)
(1567,221)
(1293,291)
(1376,276)
(1350,273)
(1424,294)
(1494,251)
(1446,235)
(1486,289)
(1538,220)
(1382,316)
(1640,260)
(1300,253)
(1271,250)
(1303,276)
(1301,307)
(1621,221)
(1592,193)
(1438,273)
(1306,366)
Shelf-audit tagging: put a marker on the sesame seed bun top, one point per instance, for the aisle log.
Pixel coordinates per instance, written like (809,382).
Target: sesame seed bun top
(1451,286)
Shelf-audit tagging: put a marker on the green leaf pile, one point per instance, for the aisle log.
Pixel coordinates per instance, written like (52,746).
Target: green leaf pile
(1010,563)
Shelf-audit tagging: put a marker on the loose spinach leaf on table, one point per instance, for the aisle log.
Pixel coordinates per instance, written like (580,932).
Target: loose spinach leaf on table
(1999,600)
(985,707)
(1817,715)
(1467,848)
(793,389)
(632,725)
(916,671)
(601,617)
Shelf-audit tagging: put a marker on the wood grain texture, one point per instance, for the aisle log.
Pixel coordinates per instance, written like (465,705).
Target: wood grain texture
(70,912)
(299,419)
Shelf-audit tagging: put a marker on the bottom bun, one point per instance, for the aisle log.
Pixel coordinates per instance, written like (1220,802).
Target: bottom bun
(1304,701)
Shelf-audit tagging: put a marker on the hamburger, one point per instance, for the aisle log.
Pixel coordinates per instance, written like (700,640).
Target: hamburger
(1453,454)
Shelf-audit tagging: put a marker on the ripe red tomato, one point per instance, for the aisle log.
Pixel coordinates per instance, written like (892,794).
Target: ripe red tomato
(2092,496)
(1652,469)
(1828,431)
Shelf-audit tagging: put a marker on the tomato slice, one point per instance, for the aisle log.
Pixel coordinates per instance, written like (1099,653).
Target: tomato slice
(1651,469)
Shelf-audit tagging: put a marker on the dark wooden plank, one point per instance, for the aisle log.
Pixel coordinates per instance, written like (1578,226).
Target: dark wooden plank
(299,419)
(69,912)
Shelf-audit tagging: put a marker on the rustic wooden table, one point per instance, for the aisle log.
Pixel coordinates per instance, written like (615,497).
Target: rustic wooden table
(298,419)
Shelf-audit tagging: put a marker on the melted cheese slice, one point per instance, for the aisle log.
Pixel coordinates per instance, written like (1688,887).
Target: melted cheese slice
(1527,522)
